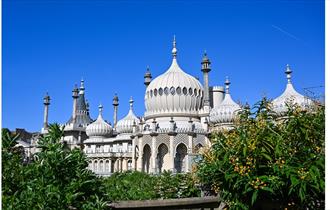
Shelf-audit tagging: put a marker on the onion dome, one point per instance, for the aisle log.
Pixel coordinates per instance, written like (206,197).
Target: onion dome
(227,110)
(173,93)
(289,96)
(99,128)
(126,124)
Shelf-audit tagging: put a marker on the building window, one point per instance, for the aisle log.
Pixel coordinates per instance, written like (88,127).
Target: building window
(178,90)
(166,91)
(160,91)
(195,92)
(150,93)
(184,90)
(172,90)
(190,91)
(155,92)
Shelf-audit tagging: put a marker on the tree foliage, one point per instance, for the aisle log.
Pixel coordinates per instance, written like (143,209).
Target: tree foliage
(58,177)
(268,160)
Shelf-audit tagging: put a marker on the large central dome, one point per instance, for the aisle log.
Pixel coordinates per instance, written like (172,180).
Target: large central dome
(174,93)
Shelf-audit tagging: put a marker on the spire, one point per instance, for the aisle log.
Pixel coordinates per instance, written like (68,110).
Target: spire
(288,73)
(174,50)
(82,86)
(147,77)
(227,83)
(131,101)
(100,110)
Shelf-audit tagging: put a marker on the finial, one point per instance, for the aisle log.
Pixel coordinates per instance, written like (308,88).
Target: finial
(47,99)
(227,83)
(82,87)
(115,100)
(206,63)
(100,109)
(288,73)
(131,101)
(174,50)
(75,91)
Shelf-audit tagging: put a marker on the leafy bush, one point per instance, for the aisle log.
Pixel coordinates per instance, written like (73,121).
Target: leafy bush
(141,186)
(264,160)
(56,179)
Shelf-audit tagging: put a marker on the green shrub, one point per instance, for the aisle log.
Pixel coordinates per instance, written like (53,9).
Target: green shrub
(263,160)
(141,186)
(57,179)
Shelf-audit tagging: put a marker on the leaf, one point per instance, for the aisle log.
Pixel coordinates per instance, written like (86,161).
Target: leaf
(254,197)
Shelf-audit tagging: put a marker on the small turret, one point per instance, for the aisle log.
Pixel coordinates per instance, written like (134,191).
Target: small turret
(115,103)
(147,77)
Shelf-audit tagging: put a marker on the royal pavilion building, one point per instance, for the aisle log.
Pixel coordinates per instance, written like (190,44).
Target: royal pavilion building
(180,113)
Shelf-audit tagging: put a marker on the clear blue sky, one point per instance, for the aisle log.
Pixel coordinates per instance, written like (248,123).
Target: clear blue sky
(50,45)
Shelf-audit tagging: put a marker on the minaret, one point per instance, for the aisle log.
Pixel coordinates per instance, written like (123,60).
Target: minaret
(115,103)
(288,73)
(206,69)
(46,103)
(75,96)
(147,77)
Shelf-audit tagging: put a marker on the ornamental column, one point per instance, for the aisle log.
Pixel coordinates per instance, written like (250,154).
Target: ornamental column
(172,133)
(46,103)
(153,135)
(115,103)
(206,69)
(75,95)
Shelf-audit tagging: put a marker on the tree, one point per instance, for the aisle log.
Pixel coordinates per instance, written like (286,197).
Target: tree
(58,177)
(267,160)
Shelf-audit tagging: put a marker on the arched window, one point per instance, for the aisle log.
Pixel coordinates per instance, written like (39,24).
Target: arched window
(180,158)
(190,91)
(107,166)
(162,151)
(166,91)
(151,93)
(155,92)
(146,158)
(185,91)
(172,90)
(160,91)
(195,92)
(178,90)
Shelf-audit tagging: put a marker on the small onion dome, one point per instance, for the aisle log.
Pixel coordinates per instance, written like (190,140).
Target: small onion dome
(289,96)
(99,128)
(173,93)
(227,110)
(126,124)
